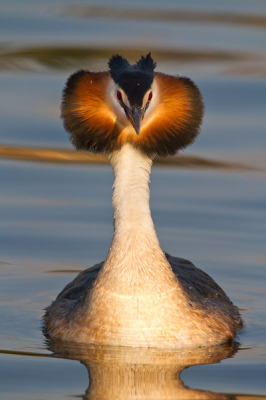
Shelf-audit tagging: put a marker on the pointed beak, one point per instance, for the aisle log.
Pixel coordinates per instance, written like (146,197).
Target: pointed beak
(135,115)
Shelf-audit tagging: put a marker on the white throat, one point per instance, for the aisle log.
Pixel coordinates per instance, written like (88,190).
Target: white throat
(135,262)
(131,195)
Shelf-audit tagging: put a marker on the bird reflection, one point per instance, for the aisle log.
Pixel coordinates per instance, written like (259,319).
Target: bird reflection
(141,373)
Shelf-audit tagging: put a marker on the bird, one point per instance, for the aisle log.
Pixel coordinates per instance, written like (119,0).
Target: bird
(139,296)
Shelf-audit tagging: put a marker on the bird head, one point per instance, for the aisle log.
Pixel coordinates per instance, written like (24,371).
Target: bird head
(133,86)
(157,113)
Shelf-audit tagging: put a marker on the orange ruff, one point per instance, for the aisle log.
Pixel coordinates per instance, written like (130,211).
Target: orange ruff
(93,125)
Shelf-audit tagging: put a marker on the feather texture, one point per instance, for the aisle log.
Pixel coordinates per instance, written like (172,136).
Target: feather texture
(139,296)
(94,126)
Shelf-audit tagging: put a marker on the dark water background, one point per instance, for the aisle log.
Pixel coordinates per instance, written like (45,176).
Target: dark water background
(56,215)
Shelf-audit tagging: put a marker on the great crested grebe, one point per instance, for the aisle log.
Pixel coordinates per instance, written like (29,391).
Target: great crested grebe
(139,296)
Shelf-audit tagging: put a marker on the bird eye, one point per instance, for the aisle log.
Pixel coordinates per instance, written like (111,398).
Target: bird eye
(119,95)
(150,96)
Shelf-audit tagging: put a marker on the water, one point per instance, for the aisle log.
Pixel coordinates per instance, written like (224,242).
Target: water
(56,216)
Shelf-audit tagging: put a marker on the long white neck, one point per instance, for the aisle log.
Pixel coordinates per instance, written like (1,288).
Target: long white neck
(135,261)
(132,216)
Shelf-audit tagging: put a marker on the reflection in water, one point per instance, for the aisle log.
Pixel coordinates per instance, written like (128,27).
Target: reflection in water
(241,58)
(148,14)
(72,156)
(132,373)
(224,210)
(66,57)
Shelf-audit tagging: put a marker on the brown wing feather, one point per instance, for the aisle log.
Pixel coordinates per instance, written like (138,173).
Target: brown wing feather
(187,274)
(195,283)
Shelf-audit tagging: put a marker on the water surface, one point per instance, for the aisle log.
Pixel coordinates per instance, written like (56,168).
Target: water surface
(209,205)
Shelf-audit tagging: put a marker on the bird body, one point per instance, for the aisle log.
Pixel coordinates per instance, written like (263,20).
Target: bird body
(139,296)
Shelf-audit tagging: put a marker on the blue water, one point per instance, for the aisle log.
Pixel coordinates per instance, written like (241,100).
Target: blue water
(56,218)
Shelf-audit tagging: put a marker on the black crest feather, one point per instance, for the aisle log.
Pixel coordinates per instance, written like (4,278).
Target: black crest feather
(146,64)
(135,79)
(117,65)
